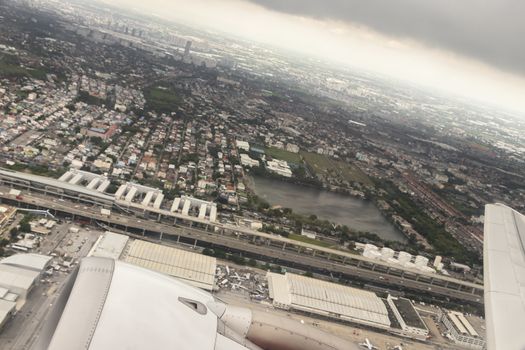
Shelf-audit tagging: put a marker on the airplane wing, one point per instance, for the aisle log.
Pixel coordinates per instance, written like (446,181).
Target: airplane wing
(504,271)
(108,304)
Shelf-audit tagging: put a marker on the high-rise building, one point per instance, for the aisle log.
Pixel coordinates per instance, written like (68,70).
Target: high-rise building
(187,48)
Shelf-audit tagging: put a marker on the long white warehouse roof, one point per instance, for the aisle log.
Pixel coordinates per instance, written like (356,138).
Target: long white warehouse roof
(504,268)
(35,262)
(195,269)
(109,245)
(329,299)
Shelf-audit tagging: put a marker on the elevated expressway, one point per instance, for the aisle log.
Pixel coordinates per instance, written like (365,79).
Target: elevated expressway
(165,225)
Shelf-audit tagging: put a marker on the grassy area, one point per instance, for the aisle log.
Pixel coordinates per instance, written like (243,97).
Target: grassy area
(10,68)
(308,240)
(323,165)
(283,155)
(162,100)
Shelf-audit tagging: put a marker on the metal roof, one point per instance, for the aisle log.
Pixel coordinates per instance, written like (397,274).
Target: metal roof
(16,277)
(330,299)
(29,261)
(195,269)
(504,267)
(109,245)
(6,307)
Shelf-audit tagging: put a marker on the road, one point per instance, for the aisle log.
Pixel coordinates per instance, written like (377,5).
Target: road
(254,246)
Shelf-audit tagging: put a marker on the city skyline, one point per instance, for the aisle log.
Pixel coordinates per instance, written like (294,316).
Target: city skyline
(411,52)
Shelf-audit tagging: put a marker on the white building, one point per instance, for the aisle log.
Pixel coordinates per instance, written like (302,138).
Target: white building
(195,269)
(295,292)
(461,330)
(245,146)
(109,245)
(247,161)
(279,167)
(410,323)
(290,147)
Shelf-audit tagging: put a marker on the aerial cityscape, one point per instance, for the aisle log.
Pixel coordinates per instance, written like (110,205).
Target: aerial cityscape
(333,197)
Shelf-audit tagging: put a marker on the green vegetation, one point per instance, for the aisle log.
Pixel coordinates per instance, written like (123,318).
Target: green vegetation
(161,99)
(308,240)
(10,68)
(324,166)
(442,241)
(85,97)
(283,155)
(37,170)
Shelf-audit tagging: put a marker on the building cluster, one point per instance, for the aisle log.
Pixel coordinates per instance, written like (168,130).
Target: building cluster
(401,258)
(19,274)
(347,304)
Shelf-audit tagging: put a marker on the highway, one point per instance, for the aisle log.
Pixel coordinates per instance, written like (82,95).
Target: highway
(263,245)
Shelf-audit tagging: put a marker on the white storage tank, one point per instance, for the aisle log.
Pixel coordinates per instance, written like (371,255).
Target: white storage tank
(393,261)
(386,253)
(370,247)
(437,261)
(421,261)
(404,257)
(372,254)
(410,265)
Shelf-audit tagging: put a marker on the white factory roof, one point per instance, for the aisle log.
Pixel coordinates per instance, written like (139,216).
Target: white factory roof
(109,245)
(329,299)
(6,307)
(504,266)
(16,277)
(35,262)
(195,269)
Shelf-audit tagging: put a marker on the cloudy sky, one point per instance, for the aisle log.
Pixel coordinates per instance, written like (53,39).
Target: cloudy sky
(470,47)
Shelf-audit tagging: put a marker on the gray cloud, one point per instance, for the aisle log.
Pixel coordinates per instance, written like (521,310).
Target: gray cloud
(492,31)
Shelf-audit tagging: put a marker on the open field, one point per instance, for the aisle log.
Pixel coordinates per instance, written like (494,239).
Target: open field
(162,99)
(323,165)
(283,155)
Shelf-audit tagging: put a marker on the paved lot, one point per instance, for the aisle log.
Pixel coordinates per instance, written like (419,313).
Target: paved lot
(383,341)
(22,330)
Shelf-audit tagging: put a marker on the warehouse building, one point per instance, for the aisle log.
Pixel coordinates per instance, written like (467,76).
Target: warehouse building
(300,293)
(20,272)
(18,275)
(7,308)
(405,319)
(195,269)
(109,245)
(461,330)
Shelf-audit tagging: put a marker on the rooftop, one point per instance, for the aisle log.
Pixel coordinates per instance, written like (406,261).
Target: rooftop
(409,314)
(329,299)
(35,262)
(195,269)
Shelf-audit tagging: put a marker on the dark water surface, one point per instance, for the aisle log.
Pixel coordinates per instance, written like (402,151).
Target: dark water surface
(357,214)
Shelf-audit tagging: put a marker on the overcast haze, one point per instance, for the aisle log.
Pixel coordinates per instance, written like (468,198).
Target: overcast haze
(469,47)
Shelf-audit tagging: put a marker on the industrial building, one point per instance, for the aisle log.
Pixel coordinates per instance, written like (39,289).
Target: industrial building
(405,319)
(7,308)
(300,293)
(195,269)
(461,331)
(109,245)
(18,275)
